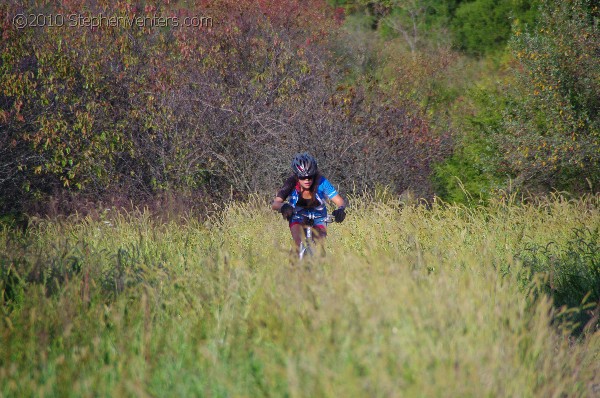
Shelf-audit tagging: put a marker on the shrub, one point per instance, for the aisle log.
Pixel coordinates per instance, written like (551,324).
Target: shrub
(140,110)
(474,170)
(552,129)
(484,26)
(573,271)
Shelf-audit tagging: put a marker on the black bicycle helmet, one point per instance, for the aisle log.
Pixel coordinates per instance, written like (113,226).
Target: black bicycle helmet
(304,165)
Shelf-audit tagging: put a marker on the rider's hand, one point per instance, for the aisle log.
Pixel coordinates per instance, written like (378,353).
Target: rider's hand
(287,211)
(339,214)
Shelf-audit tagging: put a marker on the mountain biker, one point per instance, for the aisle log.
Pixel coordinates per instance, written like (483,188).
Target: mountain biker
(307,190)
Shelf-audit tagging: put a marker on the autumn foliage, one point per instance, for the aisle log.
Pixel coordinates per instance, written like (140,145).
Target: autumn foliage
(139,109)
(552,128)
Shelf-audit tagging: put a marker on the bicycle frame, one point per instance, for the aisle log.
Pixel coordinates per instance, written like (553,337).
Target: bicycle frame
(306,247)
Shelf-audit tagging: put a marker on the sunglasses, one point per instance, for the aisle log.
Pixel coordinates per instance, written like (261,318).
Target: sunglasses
(306,178)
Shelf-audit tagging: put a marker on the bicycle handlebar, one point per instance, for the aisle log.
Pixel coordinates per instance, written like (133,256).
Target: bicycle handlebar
(328,219)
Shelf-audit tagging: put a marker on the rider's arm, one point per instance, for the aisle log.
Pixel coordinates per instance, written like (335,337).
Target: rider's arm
(338,201)
(277,203)
(331,193)
(283,193)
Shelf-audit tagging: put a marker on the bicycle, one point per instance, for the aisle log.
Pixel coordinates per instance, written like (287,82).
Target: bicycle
(308,244)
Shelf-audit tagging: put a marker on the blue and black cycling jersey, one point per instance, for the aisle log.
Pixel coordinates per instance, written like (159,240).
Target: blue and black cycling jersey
(291,191)
(315,206)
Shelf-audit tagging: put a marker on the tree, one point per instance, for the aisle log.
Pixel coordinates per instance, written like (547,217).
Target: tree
(484,26)
(552,129)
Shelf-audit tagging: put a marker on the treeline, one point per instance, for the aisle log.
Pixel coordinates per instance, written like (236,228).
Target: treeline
(382,92)
(516,81)
(136,111)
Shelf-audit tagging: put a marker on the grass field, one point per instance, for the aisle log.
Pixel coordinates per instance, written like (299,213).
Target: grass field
(408,301)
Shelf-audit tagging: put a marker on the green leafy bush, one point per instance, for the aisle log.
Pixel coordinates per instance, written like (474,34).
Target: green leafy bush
(484,26)
(573,270)
(552,128)
(474,171)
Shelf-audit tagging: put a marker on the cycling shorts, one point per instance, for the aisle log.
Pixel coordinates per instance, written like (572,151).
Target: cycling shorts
(320,212)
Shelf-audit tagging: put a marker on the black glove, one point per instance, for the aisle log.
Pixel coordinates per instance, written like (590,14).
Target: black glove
(339,214)
(287,211)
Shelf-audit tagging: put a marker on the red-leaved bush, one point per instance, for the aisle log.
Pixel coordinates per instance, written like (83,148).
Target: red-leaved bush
(148,105)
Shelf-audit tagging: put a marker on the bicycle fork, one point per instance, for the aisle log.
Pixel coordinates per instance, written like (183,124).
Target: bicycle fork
(305,247)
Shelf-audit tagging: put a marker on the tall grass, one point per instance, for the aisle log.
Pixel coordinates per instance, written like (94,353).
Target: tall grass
(437,300)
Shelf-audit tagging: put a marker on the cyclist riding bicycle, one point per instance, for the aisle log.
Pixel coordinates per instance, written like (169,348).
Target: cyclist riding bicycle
(306,192)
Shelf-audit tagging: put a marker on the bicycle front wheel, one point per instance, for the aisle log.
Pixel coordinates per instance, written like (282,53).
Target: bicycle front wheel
(304,250)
